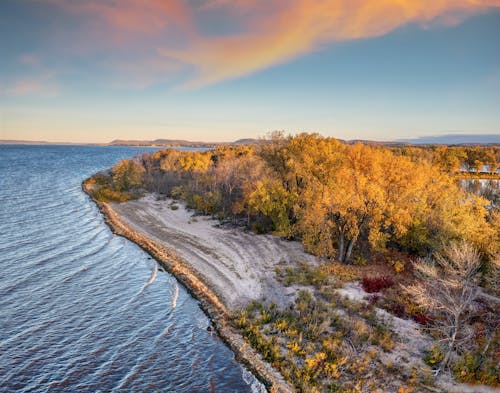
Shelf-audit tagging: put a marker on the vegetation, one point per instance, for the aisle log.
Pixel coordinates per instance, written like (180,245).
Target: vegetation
(121,185)
(352,205)
(448,287)
(342,201)
(323,343)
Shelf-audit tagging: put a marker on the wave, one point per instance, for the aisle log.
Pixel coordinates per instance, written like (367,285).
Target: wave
(152,278)
(175,296)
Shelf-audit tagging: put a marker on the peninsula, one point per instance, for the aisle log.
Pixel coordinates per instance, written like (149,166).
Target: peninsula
(305,311)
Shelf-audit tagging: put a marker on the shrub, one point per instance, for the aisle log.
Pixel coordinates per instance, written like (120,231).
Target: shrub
(396,309)
(108,195)
(342,272)
(305,275)
(99,179)
(398,266)
(295,348)
(265,316)
(281,325)
(376,284)
(422,319)
(473,368)
(360,260)
(434,357)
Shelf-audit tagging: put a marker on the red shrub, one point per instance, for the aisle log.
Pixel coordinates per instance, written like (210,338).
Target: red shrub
(422,319)
(376,284)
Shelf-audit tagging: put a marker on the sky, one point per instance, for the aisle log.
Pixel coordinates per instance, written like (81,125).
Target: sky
(221,70)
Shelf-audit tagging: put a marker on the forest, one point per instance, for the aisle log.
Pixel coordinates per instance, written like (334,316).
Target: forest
(341,201)
(354,205)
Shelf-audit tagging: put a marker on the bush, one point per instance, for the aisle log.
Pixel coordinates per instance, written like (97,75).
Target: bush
(376,284)
(98,179)
(473,368)
(434,357)
(305,275)
(342,272)
(108,195)
(422,319)
(398,266)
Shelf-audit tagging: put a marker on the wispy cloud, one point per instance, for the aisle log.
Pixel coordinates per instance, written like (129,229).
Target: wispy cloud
(154,38)
(40,85)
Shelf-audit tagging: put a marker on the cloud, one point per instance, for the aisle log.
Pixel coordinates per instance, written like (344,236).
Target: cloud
(129,19)
(294,28)
(217,40)
(41,85)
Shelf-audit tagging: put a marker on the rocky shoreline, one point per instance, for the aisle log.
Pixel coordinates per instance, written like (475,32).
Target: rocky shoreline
(209,301)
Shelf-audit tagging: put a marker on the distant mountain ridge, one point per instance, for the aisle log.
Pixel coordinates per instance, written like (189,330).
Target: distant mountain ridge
(180,142)
(454,139)
(450,139)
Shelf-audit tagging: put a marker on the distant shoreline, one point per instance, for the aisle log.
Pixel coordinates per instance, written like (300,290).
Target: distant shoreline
(446,140)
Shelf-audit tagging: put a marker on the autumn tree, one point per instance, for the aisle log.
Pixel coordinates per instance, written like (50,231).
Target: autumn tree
(127,174)
(338,199)
(449,159)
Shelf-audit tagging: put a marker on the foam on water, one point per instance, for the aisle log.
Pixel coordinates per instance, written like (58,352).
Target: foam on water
(175,296)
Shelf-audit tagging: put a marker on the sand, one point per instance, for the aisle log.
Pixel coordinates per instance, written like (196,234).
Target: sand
(237,264)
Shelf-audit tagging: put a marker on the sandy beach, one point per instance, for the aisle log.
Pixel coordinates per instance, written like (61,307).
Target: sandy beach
(236,264)
(205,258)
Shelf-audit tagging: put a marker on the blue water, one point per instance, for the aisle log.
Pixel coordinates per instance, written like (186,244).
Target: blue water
(80,308)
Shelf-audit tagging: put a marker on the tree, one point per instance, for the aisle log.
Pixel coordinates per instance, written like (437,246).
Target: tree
(447,289)
(449,159)
(127,174)
(272,200)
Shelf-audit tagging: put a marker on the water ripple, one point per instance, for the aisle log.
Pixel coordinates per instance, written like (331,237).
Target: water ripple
(82,309)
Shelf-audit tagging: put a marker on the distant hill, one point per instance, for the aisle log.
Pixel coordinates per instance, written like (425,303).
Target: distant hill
(161,142)
(450,139)
(454,139)
(180,142)
(246,141)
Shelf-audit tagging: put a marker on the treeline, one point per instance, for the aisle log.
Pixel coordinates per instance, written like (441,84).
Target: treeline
(342,201)
(456,159)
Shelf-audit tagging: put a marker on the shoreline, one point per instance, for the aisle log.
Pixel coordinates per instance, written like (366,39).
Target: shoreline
(209,302)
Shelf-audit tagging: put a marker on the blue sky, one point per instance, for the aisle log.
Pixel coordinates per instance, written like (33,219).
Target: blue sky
(219,71)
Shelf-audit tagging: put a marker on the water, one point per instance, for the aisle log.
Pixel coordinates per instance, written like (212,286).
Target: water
(82,309)
(486,188)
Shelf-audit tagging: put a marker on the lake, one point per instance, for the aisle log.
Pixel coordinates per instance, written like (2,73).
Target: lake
(82,309)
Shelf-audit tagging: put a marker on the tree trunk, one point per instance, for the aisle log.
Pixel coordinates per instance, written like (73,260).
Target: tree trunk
(451,344)
(340,253)
(348,252)
(344,252)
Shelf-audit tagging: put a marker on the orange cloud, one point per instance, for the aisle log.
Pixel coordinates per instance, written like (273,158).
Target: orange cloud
(297,27)
(259,33)
(139,16)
